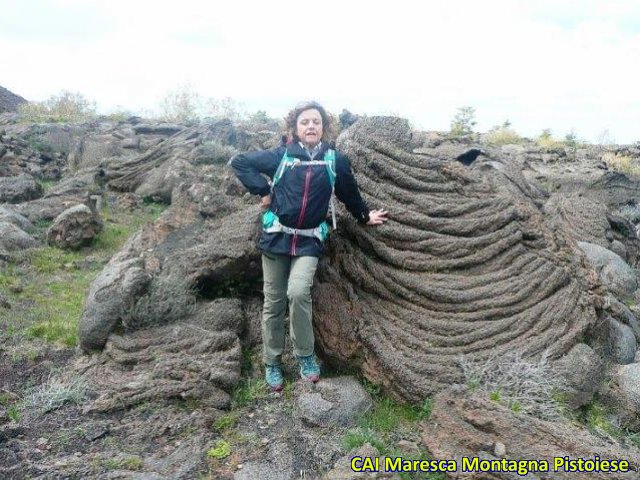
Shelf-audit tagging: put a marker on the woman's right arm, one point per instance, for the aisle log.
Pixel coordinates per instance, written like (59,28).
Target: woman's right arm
(249,166)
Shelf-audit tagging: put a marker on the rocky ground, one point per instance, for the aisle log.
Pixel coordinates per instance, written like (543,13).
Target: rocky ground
(495,315)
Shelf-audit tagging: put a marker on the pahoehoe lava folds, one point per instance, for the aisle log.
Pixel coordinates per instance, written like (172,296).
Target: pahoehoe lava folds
(466,266)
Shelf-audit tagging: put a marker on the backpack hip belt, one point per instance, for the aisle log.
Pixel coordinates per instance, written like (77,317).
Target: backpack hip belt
(271,224)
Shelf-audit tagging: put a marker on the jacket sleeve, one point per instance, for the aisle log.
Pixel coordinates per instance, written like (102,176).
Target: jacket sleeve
(347,191)
(249,166)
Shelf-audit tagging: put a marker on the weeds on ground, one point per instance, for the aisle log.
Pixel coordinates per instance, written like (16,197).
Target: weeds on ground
(524,386)
(119,226)
(387,423)
(125,463)
(631,212)
(549,144)
(47,185)
(622,163)
(599,420)
(55,393)
(226,422)
(248,392)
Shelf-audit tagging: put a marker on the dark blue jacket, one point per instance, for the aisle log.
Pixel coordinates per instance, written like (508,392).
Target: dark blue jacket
(301,197)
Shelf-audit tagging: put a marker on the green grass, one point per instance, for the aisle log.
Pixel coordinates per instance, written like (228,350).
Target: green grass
(48,286)
(248,392)
(387,414)
(595,417)
(357,437)
(119,227)
(47,185)
(226,422)
(13,412)
(386,423)
(49,260)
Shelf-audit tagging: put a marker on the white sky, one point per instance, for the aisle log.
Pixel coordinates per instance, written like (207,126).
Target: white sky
(558,64)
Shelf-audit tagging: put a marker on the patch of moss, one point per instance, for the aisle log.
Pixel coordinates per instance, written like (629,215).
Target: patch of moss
(220,450)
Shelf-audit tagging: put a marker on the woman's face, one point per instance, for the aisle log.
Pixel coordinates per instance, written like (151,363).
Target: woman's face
(309,127)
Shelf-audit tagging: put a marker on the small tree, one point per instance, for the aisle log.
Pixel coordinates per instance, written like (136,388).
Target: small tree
(571,141)
(225,107)
(181,105)
(545,134)
(463,122)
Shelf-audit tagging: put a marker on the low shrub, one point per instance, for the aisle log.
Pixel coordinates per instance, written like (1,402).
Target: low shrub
(549,144)
(631,212)
(524,386)
(622,163)
(65,107)
(55,393)
(503,136)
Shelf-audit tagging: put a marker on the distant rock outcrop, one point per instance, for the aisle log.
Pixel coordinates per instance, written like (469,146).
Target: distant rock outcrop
(9,101)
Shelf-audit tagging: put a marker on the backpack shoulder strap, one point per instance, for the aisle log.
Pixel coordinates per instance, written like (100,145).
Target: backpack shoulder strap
(330,163)
(285,162)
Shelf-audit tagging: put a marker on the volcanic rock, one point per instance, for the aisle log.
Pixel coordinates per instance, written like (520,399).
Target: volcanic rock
(9,101)
(464,424)
(74,228)
(19,189)
(466,265)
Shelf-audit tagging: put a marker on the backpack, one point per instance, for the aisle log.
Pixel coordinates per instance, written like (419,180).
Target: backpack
(270,221)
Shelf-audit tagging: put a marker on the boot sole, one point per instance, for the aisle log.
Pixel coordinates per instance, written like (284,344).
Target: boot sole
(310,378)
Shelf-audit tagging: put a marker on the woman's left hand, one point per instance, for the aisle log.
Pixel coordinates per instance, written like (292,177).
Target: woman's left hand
(377,217)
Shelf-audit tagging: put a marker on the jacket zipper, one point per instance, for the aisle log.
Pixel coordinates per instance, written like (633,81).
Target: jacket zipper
(305,199)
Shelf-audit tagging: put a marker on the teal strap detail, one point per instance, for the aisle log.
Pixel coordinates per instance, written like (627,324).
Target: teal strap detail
(271,224)
(329,160)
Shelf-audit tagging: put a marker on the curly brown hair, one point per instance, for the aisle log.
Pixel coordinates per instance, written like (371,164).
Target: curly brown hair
(291,121)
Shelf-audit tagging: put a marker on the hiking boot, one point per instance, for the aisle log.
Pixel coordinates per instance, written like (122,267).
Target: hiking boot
(273,377)
(309,368)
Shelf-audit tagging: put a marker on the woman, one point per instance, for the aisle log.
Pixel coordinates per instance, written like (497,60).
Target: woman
(304,172)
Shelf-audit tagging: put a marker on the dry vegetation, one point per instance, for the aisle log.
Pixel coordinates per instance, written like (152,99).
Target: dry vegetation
(622,163)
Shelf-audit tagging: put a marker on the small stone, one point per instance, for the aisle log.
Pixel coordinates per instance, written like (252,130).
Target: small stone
(500,449)
(408,446)
(264,441)
(239,466)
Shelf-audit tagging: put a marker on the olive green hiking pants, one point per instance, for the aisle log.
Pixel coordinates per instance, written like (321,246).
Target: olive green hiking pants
(287,280)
